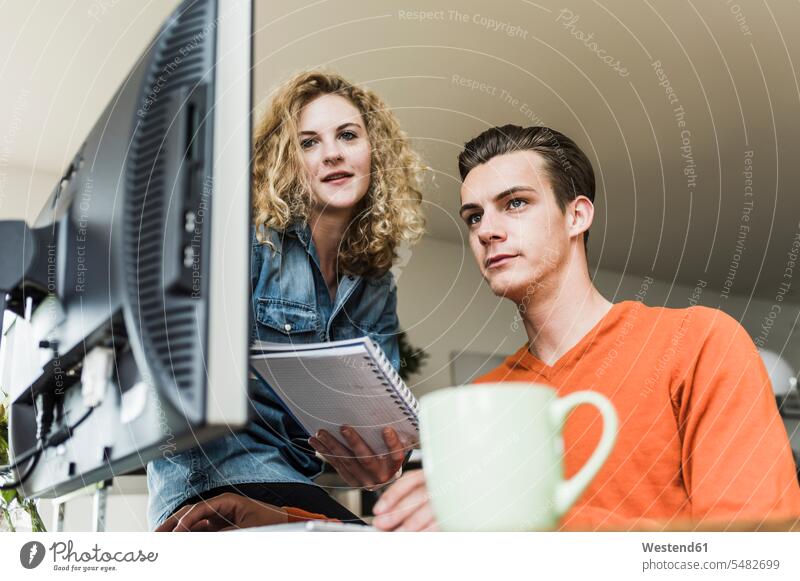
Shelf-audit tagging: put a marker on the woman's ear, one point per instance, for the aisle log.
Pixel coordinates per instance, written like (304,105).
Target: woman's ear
(581,214)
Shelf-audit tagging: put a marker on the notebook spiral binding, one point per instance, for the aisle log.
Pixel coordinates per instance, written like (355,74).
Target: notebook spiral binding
(393,382)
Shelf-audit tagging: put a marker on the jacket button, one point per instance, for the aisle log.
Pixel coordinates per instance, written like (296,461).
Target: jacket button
(288,327)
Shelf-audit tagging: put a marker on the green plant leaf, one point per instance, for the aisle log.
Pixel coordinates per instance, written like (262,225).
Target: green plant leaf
(37,525)
(9,496)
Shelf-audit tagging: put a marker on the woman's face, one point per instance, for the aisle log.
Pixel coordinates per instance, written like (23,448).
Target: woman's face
(336,152)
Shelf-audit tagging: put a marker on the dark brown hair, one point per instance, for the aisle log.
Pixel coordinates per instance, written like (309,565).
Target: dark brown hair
(569,170)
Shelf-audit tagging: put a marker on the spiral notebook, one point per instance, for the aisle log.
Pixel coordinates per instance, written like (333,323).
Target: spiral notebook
(327,385)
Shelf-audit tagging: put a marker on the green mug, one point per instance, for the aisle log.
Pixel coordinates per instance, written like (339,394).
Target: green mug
(492,455)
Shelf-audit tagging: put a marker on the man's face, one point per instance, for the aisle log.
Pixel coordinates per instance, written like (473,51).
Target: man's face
(517,232)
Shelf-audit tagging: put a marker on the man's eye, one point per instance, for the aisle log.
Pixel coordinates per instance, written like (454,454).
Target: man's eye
(473,219)
(516,203)
(306,143)
(348,135)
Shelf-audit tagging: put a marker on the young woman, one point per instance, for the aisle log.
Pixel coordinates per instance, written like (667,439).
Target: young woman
(336,190)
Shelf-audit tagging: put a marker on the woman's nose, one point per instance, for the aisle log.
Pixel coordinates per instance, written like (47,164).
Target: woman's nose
(332,153)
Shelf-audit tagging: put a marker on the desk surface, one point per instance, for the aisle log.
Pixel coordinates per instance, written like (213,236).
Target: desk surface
(312,526)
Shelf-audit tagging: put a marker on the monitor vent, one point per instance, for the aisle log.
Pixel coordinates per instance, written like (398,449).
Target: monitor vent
(169,325)
(180,58)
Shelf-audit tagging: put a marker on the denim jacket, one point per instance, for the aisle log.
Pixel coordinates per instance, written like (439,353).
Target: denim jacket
(290,303)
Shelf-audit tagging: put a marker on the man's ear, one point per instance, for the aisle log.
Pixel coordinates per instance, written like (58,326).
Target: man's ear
(581,215)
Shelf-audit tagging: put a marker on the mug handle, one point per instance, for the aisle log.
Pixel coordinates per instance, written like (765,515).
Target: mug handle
(567,492)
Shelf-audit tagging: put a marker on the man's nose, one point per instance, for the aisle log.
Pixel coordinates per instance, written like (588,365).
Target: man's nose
(490,230)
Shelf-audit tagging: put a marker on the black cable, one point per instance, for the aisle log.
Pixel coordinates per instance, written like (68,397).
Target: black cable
(26,474)
(44,405)
(53,440)
(65,433)
(58,437)
(20,458)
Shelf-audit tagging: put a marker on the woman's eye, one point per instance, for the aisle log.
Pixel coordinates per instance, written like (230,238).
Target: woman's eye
(306,143)
(348,135)
(516,203)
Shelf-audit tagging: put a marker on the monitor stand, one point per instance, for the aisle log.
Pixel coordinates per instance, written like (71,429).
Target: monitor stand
(99,503)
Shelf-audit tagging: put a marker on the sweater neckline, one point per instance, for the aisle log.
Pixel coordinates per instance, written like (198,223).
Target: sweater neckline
(527,360)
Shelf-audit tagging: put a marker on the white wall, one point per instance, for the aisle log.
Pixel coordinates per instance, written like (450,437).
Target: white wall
(23,191)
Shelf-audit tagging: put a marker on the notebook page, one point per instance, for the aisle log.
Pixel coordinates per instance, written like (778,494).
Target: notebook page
(325,390)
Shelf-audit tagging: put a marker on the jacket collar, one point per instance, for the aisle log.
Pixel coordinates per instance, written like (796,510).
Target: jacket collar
(301,230)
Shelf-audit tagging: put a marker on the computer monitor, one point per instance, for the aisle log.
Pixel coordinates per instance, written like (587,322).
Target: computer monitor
(131,291)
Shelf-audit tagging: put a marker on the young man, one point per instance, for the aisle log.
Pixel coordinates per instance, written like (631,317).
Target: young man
(700,438)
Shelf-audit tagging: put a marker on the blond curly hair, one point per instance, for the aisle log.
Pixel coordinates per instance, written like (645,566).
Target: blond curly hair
(389,213)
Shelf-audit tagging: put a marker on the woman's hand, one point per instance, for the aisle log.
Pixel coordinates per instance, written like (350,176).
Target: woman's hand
(355,461)
(405,506)
(225,512)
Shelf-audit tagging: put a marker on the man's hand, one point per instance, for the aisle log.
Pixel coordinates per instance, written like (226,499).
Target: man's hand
(405,506)
(355,461)
(225,512)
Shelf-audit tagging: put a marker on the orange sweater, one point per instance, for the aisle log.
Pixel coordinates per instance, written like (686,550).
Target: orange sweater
(294,515)
(699,436)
